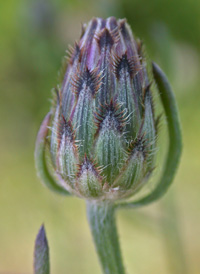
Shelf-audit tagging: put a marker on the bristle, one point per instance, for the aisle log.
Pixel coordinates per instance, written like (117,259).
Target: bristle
(90,78)
(90,165)
(104,39)
(138,144)
(62,71)
(73,53)
(65,128)
(146,91)
(140,51)
(125,63)
(114,115)
(158,123)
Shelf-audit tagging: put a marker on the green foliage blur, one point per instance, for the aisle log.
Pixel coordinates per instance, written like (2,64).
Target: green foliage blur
(34,34)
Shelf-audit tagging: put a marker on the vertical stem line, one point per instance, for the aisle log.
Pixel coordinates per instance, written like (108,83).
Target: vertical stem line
(101,217)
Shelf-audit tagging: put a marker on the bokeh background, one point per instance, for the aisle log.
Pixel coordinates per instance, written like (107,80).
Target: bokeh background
(34,34)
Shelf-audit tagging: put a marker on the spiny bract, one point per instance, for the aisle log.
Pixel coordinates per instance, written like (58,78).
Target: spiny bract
(103,129)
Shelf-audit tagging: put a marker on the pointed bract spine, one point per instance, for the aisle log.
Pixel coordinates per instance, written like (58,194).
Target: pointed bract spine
(89,181)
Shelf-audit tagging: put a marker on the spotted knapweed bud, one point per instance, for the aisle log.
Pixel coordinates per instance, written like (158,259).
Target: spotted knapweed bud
(102,127)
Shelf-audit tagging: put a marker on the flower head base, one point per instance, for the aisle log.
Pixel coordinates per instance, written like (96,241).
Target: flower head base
(103,129)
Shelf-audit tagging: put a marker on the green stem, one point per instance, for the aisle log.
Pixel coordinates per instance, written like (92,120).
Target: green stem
(101,217)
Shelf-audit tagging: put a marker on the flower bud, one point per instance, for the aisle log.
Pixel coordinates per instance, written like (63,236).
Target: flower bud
(103,128)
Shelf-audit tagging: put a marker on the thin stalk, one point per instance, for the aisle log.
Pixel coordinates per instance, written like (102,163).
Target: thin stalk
(101,217)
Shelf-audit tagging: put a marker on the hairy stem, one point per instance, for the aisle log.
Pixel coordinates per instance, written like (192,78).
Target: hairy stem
(101,217)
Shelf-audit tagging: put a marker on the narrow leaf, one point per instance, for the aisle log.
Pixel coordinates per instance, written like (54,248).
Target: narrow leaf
(41,253)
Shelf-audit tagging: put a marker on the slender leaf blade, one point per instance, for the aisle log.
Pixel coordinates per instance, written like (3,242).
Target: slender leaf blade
(41,253)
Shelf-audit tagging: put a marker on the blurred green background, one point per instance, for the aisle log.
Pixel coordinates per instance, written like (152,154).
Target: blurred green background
(161,238)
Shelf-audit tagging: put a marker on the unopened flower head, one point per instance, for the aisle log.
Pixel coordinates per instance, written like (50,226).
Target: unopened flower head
(103,130)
